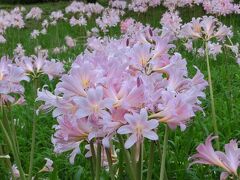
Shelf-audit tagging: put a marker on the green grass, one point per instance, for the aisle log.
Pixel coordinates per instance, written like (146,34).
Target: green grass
(226,82)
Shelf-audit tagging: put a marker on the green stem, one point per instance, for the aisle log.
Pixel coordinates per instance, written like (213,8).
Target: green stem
(91,166)
(133,158)
(120,169)
(93,155)
(98,161)
(165,142)
(12,136)
(150,161)
(109,158)
(14,151)
(214,118)
(127,159)
(140,162)
(13,127)
(35,86)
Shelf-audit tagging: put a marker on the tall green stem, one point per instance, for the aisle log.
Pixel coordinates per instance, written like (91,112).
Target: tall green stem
(93,155)
(214,118)
(165,143)
(109,158)
(150,161)
(14,151)
(13,128)
(98,161)
(35,86)
(127,159)
(140,162)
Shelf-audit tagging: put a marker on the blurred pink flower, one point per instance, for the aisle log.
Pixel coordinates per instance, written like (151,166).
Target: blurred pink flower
(70,41)
(48,166)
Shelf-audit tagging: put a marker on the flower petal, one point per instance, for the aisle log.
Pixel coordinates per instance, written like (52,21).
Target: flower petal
(130,141)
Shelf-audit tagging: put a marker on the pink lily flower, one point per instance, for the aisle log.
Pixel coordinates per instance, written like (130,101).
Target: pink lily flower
(140,127)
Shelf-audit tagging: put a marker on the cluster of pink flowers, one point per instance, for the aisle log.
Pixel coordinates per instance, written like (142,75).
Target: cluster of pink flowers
(173,4)
(35,33)
(218,7)
(119,4)
(109,18)
(207,28)
(83,8)
(228,161)
(11,75)
(143,5)
(36,65)
(56,16)
(171,24)
(210,30)
(221,7)
(35,13)
(81,21)
(134,31)
(116,87)
(14,18)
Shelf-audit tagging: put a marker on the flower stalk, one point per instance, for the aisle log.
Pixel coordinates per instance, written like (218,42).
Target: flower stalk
(14,151)
(35,87)
(127,159)
(164,153)
(150,161)
(98,161)
(214,118)
(109,158)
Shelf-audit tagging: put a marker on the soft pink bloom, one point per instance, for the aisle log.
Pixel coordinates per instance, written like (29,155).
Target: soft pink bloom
(228,161)
(93,104)
(48,166)
(34,13)
(140,127)
(171,23)
(53,69)
(79,79)
(69,134)
(10,80)
(70,41)
(15,171)
(126,24)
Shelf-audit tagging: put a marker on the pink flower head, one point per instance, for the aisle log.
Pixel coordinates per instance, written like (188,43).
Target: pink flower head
(48,166)
(70,41)
(139,126)
(15,171)
(10,80)
(126,24)
(69,134)
(80,78)
(229,161)
(34,13)
(94,104)
(206,154)
(53,68)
